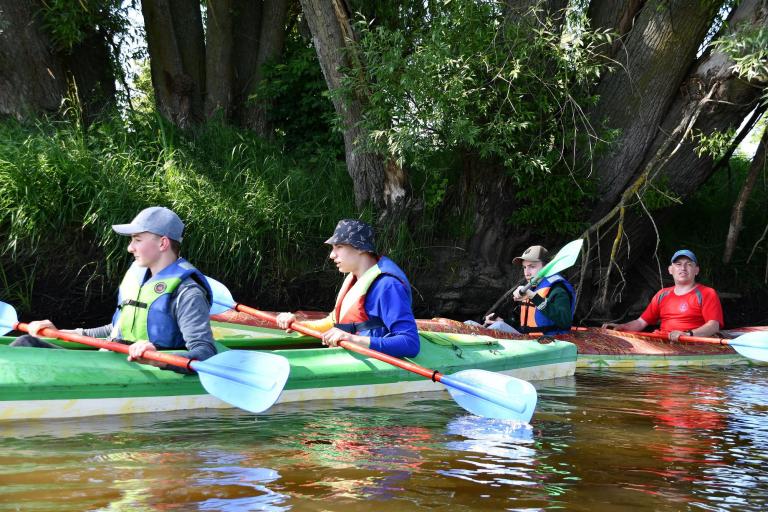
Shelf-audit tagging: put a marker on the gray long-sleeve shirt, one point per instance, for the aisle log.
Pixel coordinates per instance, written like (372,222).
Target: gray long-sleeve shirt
(191,309)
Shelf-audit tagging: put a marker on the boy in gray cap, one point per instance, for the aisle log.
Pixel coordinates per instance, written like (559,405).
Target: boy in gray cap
(163,301)
(373,308)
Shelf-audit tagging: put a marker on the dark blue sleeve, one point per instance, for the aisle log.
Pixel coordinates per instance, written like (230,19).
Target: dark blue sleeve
(388,299)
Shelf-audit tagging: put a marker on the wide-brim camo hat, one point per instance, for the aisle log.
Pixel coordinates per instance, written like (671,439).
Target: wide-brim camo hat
(354,232)
(155,219)
(535,253)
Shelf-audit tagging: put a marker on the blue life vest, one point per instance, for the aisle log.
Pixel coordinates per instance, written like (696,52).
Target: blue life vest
(533,320)
(144,305)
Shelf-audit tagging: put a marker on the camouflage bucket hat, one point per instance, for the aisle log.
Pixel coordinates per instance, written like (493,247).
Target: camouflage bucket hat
(353,232)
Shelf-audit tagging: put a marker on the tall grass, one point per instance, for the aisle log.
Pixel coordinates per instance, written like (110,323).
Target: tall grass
(255,217)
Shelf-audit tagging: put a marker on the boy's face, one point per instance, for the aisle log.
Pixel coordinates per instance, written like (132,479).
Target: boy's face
(345,257)
(147,248)
(531,268)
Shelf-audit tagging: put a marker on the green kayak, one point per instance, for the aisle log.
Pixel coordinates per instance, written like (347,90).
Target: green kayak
(40,383)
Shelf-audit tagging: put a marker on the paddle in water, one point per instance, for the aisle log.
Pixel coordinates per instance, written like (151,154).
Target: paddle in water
(249,380)
(484,393)
(752,345)
(565,258)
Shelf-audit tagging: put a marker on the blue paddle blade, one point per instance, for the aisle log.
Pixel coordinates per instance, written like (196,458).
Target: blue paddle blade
(249,380)
(8,318)
(753,345)
(492,395)
(222,297)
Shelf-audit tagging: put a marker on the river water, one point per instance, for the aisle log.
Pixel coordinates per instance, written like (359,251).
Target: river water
(694,439)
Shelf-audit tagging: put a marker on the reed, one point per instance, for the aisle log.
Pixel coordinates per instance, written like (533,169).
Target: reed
(255,217)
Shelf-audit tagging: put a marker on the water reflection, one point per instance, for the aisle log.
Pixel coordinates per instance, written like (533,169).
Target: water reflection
(606,440)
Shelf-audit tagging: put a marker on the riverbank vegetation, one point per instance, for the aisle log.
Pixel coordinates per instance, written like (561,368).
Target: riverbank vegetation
(464,130)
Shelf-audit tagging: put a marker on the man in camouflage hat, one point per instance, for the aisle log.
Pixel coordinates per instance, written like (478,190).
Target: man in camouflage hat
(547,306)
(373,308)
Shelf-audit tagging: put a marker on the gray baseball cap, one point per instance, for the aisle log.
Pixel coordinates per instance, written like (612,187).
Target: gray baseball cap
(353,232)
(155,219)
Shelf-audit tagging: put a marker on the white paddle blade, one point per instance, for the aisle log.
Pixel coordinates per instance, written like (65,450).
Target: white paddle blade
(222,297)
(492,395)
(564,259)
(8,318)
(249,380)
(753,345)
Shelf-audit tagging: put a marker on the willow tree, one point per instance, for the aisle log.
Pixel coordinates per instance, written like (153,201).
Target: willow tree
(198,74)
(525,122)
(51,51)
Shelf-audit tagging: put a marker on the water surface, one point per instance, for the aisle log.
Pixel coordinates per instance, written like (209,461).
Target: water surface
(692,439)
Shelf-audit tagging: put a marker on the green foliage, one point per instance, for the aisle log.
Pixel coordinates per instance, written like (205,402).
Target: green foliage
(300,110)
(748,47)
(701,224)
(716,144)
(69,22)
(253,214)
(513,93)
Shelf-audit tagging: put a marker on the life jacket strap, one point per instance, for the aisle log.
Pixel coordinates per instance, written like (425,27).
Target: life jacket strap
(355,327)
(134,303)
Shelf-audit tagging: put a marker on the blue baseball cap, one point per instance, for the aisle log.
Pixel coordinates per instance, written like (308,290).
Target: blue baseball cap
(155,219)
(354,232)
(684,252)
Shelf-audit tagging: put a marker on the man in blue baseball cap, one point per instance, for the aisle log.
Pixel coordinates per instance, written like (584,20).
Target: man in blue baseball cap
(373,308)
(687,308)
(163,301)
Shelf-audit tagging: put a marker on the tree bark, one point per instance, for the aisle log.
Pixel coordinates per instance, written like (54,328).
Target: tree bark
(270,42)
(35,77)
(737,215)
(617,16)
(40,83)
(176,48)
(219,72)
(373,182)
(634,98)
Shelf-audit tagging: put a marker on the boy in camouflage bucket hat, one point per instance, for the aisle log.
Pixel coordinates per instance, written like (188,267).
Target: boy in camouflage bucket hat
(373,307)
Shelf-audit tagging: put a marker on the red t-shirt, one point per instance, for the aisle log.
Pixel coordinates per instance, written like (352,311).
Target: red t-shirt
(684,312)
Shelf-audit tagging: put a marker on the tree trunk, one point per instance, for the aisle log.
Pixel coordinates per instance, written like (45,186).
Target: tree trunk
(711,98)
(635,97)
(383,186)
(737,216)
(270,41)
(219,73)
(176,48)
(35,77)
(31,78)
(617,16)
(91,67)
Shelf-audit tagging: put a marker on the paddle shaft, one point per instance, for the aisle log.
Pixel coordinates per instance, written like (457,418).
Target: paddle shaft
(298,327)
(451,381)
(152,355)
(688,339)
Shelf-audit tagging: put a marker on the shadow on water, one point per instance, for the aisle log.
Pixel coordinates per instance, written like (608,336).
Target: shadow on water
(604,440)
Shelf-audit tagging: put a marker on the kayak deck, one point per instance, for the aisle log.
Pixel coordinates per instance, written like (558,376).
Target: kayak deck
(40,383)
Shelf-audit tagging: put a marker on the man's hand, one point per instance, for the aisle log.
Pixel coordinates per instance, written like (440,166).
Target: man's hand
(136,350)
(284,321)
(491,318)
(333,336)
(38,325)
(522,294)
